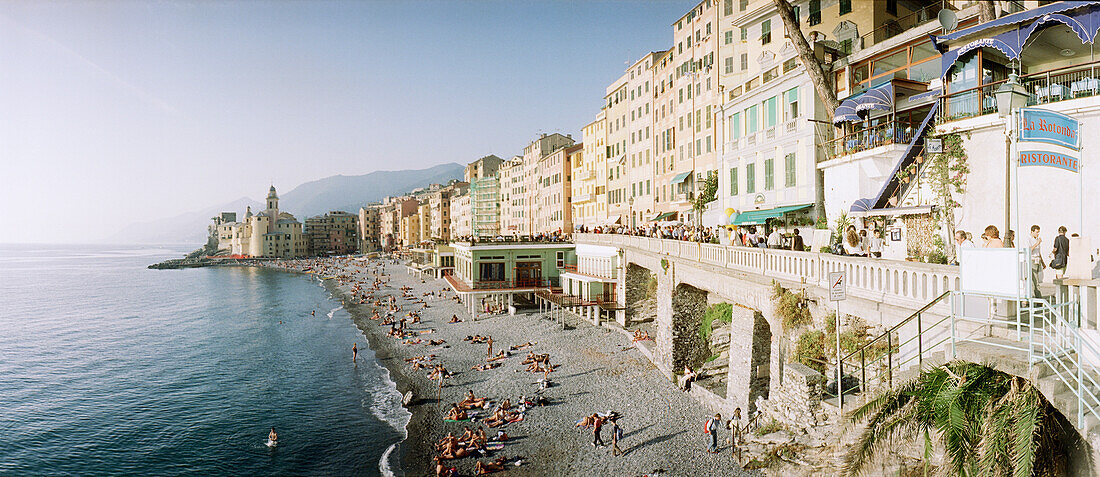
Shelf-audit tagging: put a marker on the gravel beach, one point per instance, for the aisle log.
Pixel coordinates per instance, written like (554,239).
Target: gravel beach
(597,370)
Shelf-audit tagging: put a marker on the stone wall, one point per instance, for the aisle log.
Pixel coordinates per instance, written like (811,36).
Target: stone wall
(636,282)
(689,304)
(797,402)
(760,370)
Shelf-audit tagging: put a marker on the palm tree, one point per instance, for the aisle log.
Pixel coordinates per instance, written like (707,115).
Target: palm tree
(990,423)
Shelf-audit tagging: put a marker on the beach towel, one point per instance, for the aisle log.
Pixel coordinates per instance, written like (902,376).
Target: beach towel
(495,447)
(459,420)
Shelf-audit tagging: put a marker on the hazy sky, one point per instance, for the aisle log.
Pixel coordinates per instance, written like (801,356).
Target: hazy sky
(116,112)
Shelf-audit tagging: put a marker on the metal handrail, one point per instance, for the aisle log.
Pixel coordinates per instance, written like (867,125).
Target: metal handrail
(1074,378)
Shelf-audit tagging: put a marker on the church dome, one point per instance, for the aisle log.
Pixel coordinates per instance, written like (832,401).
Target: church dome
(271,193)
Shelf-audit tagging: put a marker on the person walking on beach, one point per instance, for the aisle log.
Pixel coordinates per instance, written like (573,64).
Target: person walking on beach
(354,352)
(616,434)
(597,425)
(490,341)
(711,427)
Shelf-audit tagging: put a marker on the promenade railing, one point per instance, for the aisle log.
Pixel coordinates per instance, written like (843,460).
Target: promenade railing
(909,284)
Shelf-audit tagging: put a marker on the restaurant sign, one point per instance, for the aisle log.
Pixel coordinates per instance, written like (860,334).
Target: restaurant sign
(1052,140)
(1041,125)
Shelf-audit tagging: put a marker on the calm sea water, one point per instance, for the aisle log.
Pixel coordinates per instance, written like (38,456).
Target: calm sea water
(108,368)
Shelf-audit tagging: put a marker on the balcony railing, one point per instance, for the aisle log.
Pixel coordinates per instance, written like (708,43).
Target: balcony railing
(892,28)
(1045,87)
(890,132)
(510,284)
(903,283)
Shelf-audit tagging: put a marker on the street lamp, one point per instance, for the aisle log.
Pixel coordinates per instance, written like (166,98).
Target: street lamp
(1010,97)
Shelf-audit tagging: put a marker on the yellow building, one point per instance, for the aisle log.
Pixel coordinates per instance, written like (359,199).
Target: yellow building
(270,233)
(589,177)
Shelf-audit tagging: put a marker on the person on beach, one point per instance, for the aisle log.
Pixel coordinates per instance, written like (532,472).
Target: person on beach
(354,352)
(616,434)
(597,426)
(490,341)
(711,427)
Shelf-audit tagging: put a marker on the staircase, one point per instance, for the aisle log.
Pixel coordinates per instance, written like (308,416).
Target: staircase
(1040,342)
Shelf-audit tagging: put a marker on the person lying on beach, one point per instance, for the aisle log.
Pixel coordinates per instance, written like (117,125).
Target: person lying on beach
(439,371)
(496,465)
(476,339)
(412,342)
(486,366)
(454,319)
(640,335)
(445,441)
(587,421)
(442,470)
(436,342)
(532,358)
(506,404)
(501,355)
(522,346)
(472,402)
(501,417)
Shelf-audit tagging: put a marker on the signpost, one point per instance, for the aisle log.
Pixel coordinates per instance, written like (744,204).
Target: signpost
(838,292)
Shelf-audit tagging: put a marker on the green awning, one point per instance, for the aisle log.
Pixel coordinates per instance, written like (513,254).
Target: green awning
(757,217)
(680,177)
(664,216)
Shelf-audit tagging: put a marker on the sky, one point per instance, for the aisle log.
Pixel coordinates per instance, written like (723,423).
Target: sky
(116,112)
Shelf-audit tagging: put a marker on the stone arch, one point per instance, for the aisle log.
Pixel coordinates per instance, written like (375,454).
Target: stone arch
(689,304)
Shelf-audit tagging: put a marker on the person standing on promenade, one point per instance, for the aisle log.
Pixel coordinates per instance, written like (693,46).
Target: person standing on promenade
(616,434)
(1061,252)
(597,425)
(1034,245)
(354,352)
(711,427)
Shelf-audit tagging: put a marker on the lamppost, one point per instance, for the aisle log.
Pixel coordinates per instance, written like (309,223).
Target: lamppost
(1011,96)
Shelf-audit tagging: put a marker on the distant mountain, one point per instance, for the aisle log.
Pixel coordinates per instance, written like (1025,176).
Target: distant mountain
(349,193)
(346,193)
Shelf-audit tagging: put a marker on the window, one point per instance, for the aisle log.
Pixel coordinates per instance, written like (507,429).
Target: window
(791,98)
(708,117)
(727,7)
(845,7)
(729,65)
(735,126)
(846,46)
(766,32)
(750,178)
(708,29)
(744,5)
(728,37)
(710,143)
(771,116)
(744,32)
(790,65)
(771,74)
(892,7)
(733,181)
(744,61)
(769,174)
(790,172)
(698,120)
(815,12)
(751,119)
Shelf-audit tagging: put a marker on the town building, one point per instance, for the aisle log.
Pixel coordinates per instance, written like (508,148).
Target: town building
(461,216)
(553,211)
(335,233)
(589,178)
(370,226)
(496,274)
(483,176)
(268,234)
(513,197)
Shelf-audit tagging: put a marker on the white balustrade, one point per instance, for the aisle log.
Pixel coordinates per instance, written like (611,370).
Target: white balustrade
(909,283)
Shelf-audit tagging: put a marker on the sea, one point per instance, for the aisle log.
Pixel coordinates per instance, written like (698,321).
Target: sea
(110,368)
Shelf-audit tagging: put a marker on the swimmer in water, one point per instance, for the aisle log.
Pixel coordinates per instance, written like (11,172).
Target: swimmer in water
(313,313)
(354,351)
(272,436)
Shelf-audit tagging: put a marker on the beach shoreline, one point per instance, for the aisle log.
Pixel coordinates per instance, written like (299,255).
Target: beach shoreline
(598,370)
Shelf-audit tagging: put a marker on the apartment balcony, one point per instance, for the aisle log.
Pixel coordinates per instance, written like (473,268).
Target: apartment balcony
(583,198)
(1045,87)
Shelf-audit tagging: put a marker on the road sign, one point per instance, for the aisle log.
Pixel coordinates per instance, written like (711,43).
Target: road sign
(838,286)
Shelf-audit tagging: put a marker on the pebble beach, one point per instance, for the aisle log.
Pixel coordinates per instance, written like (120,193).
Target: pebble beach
(596,370)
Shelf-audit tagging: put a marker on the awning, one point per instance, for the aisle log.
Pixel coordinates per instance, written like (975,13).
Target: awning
(680,177)
(613,220)
(861,205)
(756,217)
(1084,21)
(664,216)
(880,97)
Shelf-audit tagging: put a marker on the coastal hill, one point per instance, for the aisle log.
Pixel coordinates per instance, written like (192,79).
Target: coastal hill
(339,192)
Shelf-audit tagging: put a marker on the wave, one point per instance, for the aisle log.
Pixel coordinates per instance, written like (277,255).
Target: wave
(386,406)
(332,312)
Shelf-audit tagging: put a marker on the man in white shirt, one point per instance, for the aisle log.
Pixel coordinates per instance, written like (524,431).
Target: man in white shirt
(775,240)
